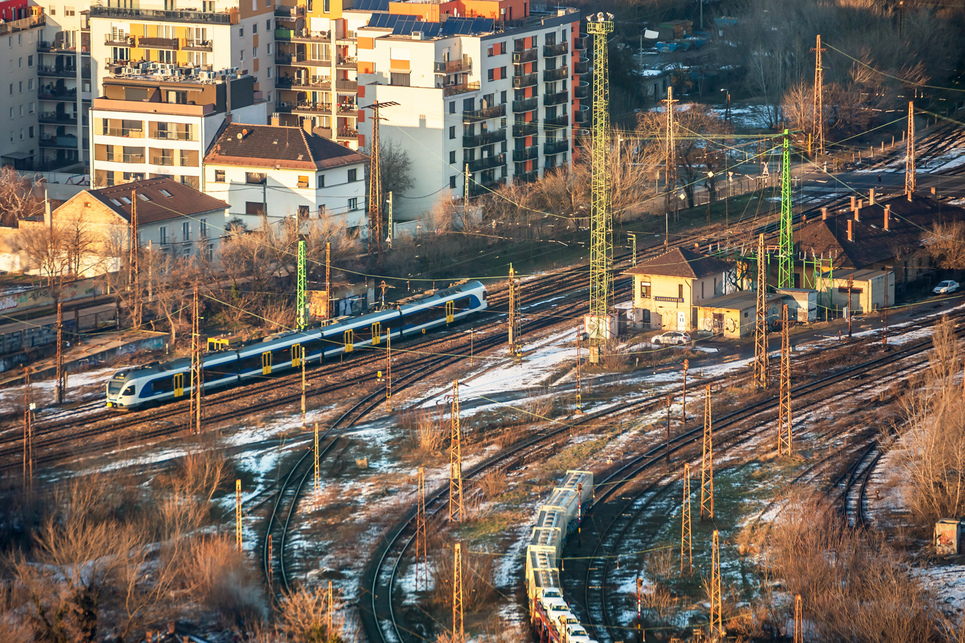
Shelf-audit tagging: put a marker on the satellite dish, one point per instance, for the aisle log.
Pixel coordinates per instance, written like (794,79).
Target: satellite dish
(239,137)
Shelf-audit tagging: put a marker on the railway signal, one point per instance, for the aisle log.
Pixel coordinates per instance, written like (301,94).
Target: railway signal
(197,372)
(910,179)
(639,605)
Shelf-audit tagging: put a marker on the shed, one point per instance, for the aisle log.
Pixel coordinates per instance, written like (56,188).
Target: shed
(867,291)
(735,315)
(802,304)
(948,536)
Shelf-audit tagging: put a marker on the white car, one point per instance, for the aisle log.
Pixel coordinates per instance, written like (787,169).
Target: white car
(945,287)
(671,338)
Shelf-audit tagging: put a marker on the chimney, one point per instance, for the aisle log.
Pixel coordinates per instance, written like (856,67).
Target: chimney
(850,230)
(860,203)
(227,100)
(824,214)
(871,197)
(275,119)
(307,125)
(854,202)
(857,214)
(887,216)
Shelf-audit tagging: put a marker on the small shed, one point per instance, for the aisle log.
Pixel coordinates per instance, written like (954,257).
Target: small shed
(867,290)
(735,315)
(802,304)
(948,536)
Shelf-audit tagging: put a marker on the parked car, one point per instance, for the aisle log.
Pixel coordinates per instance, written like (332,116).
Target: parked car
(945,287)
(671,338)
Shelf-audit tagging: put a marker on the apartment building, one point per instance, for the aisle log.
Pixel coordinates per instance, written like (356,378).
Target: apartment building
(64,89)
(151,126)
(486,89)
(182,38)
(20,135)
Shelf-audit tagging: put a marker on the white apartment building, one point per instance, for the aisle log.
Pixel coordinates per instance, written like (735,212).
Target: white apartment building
(285,172)
(148,127)
(20,135)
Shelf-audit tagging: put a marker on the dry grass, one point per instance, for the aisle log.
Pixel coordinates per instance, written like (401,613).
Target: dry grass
(224,580)
(492,483)
(426,431)
(477,577)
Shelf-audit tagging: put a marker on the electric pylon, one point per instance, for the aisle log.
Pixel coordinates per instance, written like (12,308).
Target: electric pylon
(197,372)
(707,463)
(376,231)
(910,182)
(760,333)
(818,97)
(318,486)
(686,541)
(601,218)
(330,612)
(784,405)
(238,514)
(458,632)
(388,366)
(798,620)
(670,152)
(785,266)
(421,537)
(302,311)
(455,461)
(61,373)
(135,277)
(716,632)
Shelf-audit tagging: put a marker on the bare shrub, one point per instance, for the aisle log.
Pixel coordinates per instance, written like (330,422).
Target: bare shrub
(477,578)
(662,565)
(660,602)
(222,579)
(492,483)
(539,404)
(425,429)
(303,616)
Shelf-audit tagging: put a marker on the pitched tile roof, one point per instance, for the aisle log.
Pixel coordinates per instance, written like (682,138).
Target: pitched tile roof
(680,262)
(277,146)
(157,200)
(908,222)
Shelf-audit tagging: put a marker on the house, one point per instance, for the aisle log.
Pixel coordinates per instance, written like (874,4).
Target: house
(171,217)
(285,172)
(735,315)
(668,289)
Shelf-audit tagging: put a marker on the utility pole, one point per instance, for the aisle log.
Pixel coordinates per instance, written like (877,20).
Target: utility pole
(376,233)
(784,403)
(467,179)
(884,312)
(760,334)
(455,461)
(669,401)
(458,632)
(579,372)
(686,540)
(330,612)
(670,183)
(318,486)
(850,310)
(390,227)
(302,312)
(798,620)
(28,435)
(683,415)
(716,620)
(61,373)
(601,216)
(707,463)
(197,371)
(238,514)
(633,245)
(514,321)
(388,366)
(301,362)
(421,539)
(785,266)
(328,279)
(135,277)
(818,97)
(910,179)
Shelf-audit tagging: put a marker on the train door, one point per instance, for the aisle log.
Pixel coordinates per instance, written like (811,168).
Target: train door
(297,355)
(266,363)
(376,333)
(179,384)
(349,338)
(450,311)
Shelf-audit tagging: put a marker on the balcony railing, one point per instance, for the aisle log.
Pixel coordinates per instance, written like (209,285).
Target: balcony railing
(525,129)
(555,147)
(172,136)
(167,161)
(581,67)
(526,177)
(526,154)
(24,23)
(475,189)
(139,158)
(482,114)
(57,72)
(346,86)
(579,43)
(525,105)
(557,122)
(205,17)
(348,108)
(348,61)
(54,117)
(305,106)
(347,132)
(495,160)
(59,141)
(197,45)
(116,41)
(56,93)
(157,43)
(126,133)
(555,50)
(289,12)
(284,59)
(556,74)
(582,116)
(582,90)
(520,57)
(525,80)
(452,90)
(484,138)
(306,35)
(556,99)
(453,66)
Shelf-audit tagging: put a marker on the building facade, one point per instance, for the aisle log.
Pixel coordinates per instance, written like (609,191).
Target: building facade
(20,136)
(285,172)
(146,126)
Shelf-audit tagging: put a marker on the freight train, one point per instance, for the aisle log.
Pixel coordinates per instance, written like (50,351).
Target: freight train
(552,619)
(157,383)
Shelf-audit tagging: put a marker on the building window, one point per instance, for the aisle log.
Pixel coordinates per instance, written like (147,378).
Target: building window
(452,158)
(163,235)
(30,61)
(353,204)
(268,50)
(255,177)
(186,231)
(31,129)
(254,207)
(219,176)
(241,32)
(254,27)
(452,107)
(452,132)
(680,291)
(68,11)
(644,290)
(502,72)
(303,181)
(352,177)
(254,51)
(204,228)
(321,180)
(452,182)
(241,54)
(491,76)
(303,212)
(399,80)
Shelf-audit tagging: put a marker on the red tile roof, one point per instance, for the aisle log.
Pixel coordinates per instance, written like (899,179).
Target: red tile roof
(157,200)
(681,262)
(275,146)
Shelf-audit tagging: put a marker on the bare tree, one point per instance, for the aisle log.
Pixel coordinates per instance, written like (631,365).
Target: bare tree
(43,248)
(303,616)
(17,198)
(946,245)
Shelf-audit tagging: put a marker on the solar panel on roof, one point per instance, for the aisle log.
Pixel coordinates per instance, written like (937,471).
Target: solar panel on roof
(371,5)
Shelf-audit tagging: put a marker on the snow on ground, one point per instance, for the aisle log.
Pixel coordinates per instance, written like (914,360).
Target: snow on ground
(43,392)
(947,583)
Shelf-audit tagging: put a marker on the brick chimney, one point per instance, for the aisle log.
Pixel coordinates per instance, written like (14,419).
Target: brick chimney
(887,216)
(824,214)
(854,202)
(871,197)
(860,203)
(857,213)
(307,125)
(850,230)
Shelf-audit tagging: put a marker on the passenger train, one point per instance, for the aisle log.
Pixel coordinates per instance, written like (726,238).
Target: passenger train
(157,383)
(552,619)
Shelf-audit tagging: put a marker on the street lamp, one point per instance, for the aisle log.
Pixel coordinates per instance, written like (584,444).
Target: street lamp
(710,177)
(727,110)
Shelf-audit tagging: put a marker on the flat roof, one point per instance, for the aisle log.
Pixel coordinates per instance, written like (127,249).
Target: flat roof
(736,301)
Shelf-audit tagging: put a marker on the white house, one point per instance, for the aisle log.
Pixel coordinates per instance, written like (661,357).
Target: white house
(285,172)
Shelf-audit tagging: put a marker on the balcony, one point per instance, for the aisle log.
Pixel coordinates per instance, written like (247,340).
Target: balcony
(57,72)
(197,45)
(56,93)
(525,129)
(112,40)
(525,105)
(525,80)
(550,51)
(526,154)
(158,43)
(14,26)
(289,13)
(557,122)
(55,117)
(346,86)
(349,108)
(69,142)
(348,132)
(347,37)
(484,138)
(201,17)
(556,99)
(579,43)
(453,66)
(495,160)
(282,34)
(556,74)
(453,90)
(582,90)
(526,177)
(315,108)
(520,57)
(482,114)
(166,161)
(126,133)
(582,116)
(476,189)
(349,62)
(306,35)
(581,67)
(172,136)
(555,147)
(284,59)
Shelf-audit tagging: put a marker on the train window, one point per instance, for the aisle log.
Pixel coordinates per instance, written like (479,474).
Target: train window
(129,390)
(220,371)
(266,363)
(250,363)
